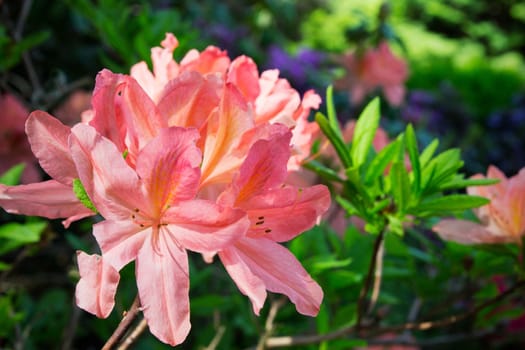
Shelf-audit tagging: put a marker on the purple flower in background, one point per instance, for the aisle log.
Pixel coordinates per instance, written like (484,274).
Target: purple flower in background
(297,68)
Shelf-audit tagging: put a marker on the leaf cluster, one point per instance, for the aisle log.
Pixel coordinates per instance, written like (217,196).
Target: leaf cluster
(399,184)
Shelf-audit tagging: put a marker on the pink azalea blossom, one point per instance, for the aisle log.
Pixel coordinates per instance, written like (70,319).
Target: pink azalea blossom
(152,217)
(272,98)
(373,69)
(501,221)
(277,213)
(14,148)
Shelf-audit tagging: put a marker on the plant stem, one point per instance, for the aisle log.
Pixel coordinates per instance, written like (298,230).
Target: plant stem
(362,307)
(134,335)
(124,324)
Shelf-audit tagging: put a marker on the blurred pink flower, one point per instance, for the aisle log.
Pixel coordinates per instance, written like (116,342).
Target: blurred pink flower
(71,109)
(14,147)
(501,221)
(152,217)
(373,69)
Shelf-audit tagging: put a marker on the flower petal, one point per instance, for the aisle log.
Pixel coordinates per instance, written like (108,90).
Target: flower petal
(248,283)
(120,241)
(188,100)
(264,167)
(244,74)
(283,213)
(95,291)
(50,199)
(163,284)
(205,227)
(169,167)
(138,113)
(112,186)
(225,129)
(281,273)
(48,138)
(469,232)
(104,119)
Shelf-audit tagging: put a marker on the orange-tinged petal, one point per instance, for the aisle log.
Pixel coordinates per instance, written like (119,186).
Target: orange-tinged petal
(95,291)
(163,283)
(169,167)
(264,167)
(188,100)
(224,133)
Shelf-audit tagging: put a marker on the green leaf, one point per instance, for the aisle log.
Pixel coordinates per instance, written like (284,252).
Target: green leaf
(380,162)
(82,196)
(400,186)
(12,176)
(413,154)
(330,111)
(365,130)
(450,203)
(347,205)
(427,153)
(323,171)
(459,183)
(14,235)
(328,262)
(335,139)
(4,266)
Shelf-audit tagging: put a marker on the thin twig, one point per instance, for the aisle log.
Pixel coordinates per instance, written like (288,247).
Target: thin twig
(362,307)
(134,335)
(276,342)
(216,339)
(268,327)
(124,324)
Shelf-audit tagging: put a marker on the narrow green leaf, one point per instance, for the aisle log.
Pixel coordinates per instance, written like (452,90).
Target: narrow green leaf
(413,154)
(330,111)
(334,138)
(12,176)
(460,183)
(365,130)
(400,186)
(450,203)
(427,153)
(82,196)
(380,162)
(323,171)
(347,205)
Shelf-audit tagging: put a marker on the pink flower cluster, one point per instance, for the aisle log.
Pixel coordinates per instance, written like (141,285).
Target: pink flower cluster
(189,156)
(376,68)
